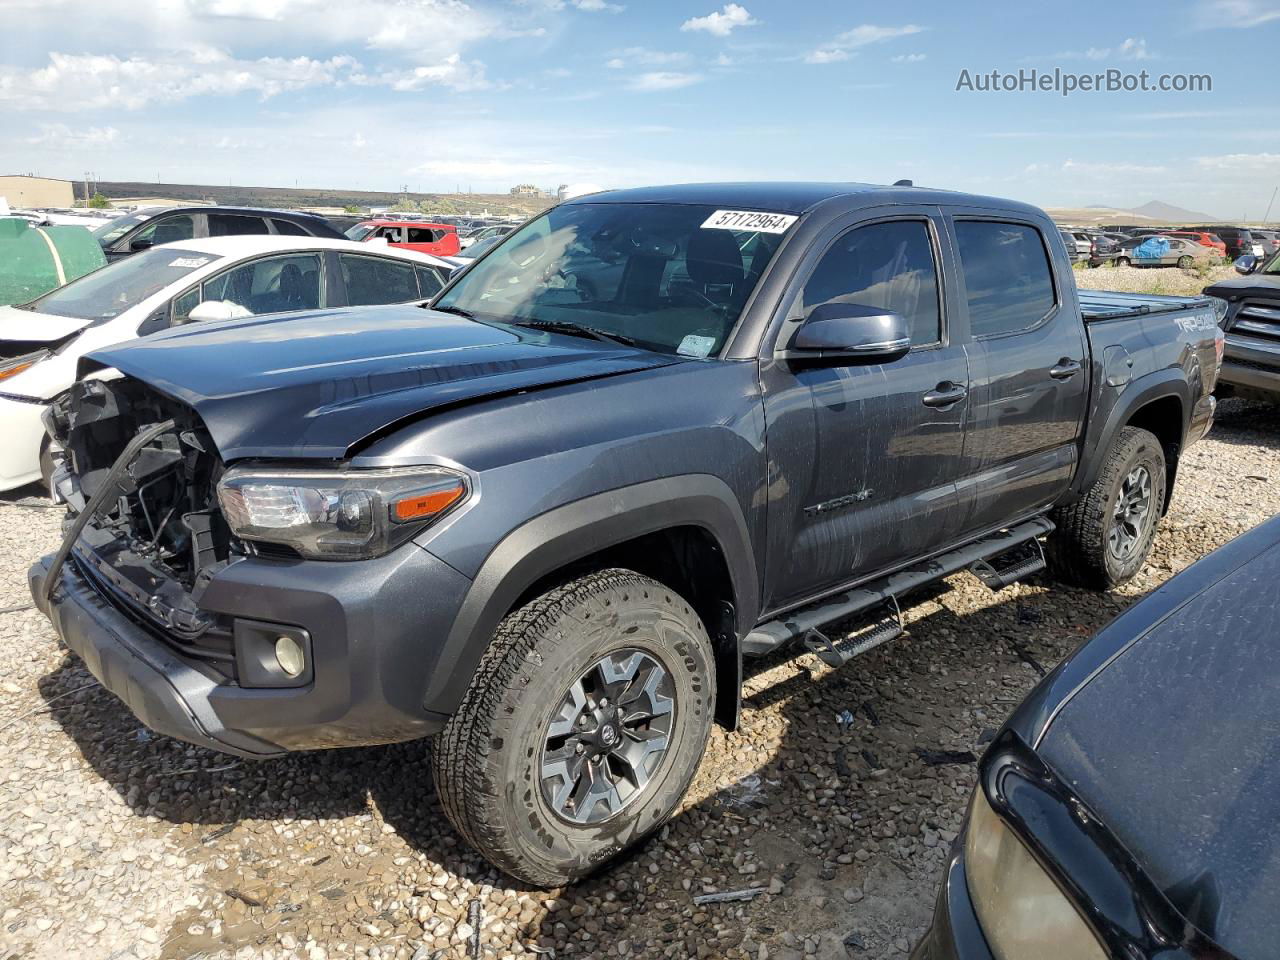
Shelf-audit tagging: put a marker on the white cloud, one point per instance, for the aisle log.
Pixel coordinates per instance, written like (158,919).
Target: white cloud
(826,55)
(61,135)
(1108,170)
(844,44)
(452,72)
(662,80)
(644,57)
(1240,14)
(909,57)
(100,81)
(722,22)
(1241,163)
(1132,48)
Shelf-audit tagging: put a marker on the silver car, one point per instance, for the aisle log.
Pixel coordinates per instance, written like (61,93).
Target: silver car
(1180,253)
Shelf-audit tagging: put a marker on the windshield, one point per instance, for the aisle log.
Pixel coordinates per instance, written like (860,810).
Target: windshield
(1273,266)
(113,230)
(105,294)
(477,248)
(657,274)
(359,231)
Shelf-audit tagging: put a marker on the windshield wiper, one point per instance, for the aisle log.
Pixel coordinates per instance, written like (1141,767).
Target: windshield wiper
(456,311)
(576,330)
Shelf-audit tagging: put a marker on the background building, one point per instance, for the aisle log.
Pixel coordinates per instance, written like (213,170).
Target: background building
(22,191)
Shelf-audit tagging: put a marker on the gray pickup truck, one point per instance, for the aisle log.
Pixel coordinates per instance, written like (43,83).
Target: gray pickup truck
(651,433)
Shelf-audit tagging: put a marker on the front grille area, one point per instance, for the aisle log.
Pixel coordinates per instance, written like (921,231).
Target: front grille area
(159,537)
(1257,319)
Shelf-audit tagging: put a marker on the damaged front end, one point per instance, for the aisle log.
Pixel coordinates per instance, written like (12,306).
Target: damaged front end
(139,474)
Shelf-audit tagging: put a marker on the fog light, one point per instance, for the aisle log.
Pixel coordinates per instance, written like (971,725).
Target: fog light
(290,657)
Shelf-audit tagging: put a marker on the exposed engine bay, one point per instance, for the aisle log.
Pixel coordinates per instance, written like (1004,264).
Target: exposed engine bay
(155,535)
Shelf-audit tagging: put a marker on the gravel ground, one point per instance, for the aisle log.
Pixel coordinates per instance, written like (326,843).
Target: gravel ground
(1166,280)
(836,800)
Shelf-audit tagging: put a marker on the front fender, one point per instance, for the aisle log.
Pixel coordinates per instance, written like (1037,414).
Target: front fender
(559,537)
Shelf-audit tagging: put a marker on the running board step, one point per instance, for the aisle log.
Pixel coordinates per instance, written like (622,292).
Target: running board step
(1017,564)
(773,634)
(885,625)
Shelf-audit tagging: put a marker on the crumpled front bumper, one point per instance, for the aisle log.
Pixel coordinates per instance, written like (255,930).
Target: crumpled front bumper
(376,628)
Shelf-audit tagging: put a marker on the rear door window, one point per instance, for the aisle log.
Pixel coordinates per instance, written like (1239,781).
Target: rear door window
(269,285)
(1008,280)
(422,235)
(235,225)
(373,280)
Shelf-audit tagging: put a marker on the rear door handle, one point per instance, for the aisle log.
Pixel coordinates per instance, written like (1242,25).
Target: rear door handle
(944,395)
(1065,370)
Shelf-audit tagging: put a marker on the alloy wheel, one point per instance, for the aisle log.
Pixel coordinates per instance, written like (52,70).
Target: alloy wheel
(608,737)
(1132,516)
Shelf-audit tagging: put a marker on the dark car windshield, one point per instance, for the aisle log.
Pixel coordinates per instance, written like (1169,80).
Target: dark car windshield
(112,231)
(105,294)
(359,231)
(665,276)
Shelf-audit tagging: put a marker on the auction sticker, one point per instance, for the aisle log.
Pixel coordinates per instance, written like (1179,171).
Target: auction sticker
(191,262)
(749,221)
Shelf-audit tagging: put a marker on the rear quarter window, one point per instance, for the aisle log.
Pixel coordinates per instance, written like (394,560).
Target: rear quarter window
(1008,279)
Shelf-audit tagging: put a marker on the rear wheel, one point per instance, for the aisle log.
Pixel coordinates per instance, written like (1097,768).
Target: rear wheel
(582,728)
(1185,262)
(1104,538)
(1122,261)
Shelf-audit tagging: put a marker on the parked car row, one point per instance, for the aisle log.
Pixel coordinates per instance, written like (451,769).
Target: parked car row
(537,518)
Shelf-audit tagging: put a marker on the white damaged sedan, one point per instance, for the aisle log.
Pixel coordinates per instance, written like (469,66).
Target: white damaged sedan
(41,342)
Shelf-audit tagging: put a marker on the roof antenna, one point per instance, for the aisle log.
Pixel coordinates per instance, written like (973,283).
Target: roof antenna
(903,183)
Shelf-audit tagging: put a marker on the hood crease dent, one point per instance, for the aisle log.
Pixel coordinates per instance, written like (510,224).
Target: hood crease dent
(322,384)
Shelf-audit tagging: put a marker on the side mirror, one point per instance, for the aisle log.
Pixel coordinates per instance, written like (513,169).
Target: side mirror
(215,310)
(851,332)
(1246,264)
(142,243)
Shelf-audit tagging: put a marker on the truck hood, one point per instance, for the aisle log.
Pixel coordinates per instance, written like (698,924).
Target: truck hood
(316,384)
(1254,285)
(32,327)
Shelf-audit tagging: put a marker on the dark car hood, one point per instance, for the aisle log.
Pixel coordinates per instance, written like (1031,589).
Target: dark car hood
(317,384)
(1175,744)
(1254,285)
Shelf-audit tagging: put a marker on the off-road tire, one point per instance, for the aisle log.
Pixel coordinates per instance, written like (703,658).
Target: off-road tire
(487,760)
(1077,551)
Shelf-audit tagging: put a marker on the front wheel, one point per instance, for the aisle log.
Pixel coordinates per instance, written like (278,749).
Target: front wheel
(1122,261)
(582,728)
(1104,538)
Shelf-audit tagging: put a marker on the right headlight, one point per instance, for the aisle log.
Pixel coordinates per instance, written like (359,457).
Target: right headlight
(16,365)
(1220,307)
(337,514)
(1022,912)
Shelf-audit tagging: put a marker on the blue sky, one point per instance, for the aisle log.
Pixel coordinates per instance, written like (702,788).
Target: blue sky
(435,94)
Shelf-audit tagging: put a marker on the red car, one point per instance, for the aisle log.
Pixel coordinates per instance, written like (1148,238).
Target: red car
(1204,239)
(437,239)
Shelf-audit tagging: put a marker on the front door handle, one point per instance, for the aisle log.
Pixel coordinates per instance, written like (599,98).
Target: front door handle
(1065,370)
(944,395)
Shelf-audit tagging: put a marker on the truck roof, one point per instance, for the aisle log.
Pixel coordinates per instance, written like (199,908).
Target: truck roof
(795,196)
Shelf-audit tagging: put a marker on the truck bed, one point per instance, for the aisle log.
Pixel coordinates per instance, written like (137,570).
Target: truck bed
(1098,305)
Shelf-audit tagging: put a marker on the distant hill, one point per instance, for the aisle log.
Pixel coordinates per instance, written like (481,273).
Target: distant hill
(294,198)
(1158,210)
(1155,213)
